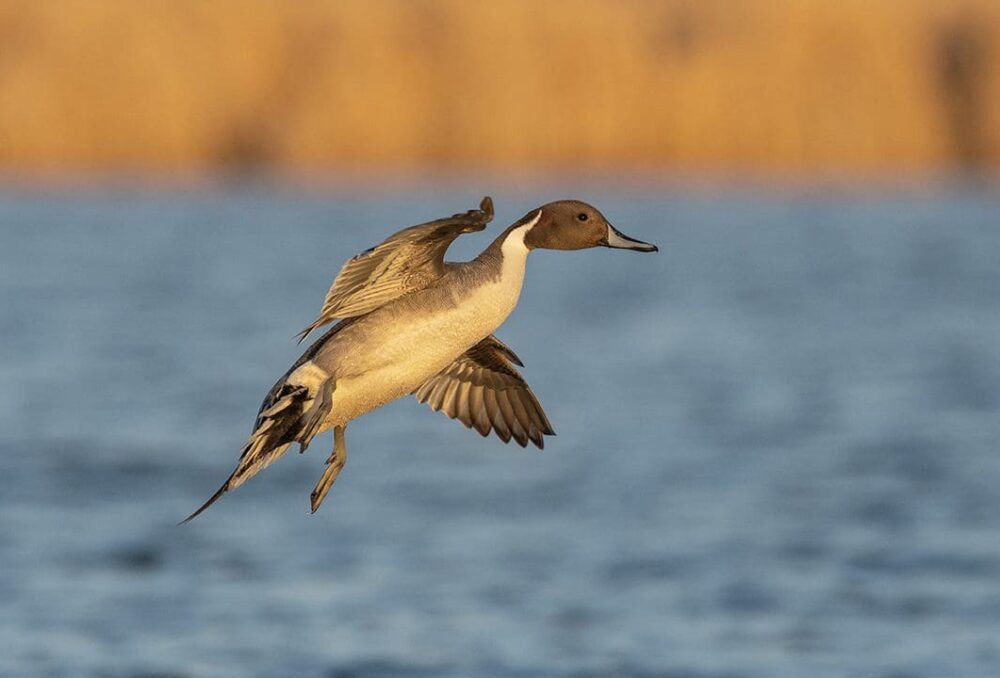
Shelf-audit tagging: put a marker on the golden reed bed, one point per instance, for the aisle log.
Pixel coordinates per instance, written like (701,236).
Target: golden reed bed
(368,85)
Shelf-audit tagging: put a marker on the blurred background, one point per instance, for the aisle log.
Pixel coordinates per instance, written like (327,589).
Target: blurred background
(777,451)
(788,86)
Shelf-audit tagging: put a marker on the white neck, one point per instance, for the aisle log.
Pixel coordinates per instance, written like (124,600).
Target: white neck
(514,258)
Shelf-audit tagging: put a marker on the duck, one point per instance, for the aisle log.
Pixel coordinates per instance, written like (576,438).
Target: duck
(408,322)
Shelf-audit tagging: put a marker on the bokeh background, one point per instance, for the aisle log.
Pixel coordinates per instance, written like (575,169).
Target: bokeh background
(777,451)
(787,86)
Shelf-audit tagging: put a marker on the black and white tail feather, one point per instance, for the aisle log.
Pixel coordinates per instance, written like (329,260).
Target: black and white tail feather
(289,414)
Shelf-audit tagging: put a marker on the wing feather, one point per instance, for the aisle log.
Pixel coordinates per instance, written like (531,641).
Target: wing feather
(484,391)
(405,262)
(499,424)
(477,408)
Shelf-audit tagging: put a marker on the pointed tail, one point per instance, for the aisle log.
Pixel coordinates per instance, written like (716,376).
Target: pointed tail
(284,419)
(211,500)
(300,337)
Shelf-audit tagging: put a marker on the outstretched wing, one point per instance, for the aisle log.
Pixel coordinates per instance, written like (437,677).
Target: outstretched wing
(483,391)
(405,262)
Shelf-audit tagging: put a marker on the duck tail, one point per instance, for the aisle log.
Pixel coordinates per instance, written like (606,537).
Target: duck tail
(301,336)
(290,414)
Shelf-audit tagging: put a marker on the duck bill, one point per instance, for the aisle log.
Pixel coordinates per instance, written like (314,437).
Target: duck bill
(620,241)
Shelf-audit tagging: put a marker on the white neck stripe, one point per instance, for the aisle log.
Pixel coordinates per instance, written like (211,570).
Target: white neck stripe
(515,239)
(513,245)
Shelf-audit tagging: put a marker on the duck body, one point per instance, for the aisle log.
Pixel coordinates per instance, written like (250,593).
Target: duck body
(390,352)
(412,324)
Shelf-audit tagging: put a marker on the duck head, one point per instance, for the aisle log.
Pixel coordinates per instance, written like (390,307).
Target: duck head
(575,225)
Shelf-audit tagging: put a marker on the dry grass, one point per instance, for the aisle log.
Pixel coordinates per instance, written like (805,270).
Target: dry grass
(785,85)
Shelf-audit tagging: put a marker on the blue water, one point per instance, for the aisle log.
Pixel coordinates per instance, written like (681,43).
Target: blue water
(777,448)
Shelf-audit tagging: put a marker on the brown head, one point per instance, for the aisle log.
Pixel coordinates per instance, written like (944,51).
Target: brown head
(575,225)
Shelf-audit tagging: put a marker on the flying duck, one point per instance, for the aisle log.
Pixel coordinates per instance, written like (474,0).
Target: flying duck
(409,322)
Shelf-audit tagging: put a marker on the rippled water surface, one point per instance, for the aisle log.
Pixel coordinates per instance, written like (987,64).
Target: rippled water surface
(777,451)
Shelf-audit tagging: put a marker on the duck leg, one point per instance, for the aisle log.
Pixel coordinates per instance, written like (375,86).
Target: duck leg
(333,466)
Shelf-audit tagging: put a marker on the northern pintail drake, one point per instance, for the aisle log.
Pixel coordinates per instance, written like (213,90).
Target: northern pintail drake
(412,323)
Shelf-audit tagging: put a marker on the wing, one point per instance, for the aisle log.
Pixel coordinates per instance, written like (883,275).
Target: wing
(483,391)
(405,262)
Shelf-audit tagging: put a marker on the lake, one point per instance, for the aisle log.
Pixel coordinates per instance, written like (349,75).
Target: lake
(777,450)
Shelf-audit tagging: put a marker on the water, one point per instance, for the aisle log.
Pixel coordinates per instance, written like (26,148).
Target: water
(777,450)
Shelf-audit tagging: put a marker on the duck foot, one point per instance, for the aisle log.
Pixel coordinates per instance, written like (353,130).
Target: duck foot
(333,466)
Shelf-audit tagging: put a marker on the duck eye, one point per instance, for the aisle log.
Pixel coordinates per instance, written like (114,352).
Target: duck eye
(582,217)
